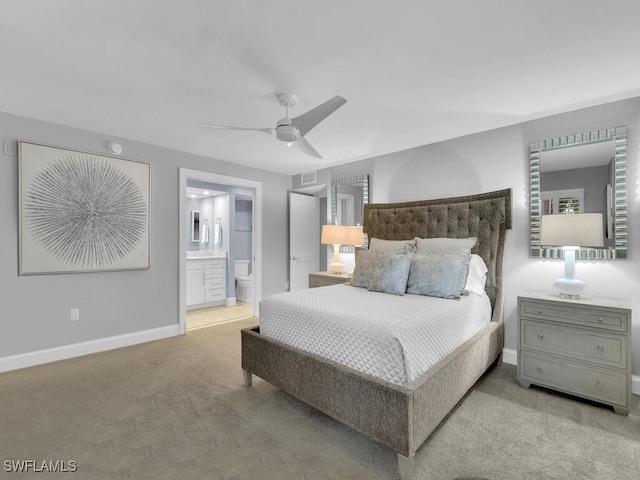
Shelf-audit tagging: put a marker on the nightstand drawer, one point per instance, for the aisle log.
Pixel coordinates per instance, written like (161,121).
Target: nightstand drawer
(580,315)
(608,386)
(565,340)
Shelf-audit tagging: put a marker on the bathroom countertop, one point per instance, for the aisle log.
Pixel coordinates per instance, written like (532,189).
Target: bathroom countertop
(209,255)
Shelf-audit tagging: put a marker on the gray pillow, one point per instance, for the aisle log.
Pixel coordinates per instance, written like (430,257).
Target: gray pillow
(451,246)
(366,264)
(393,246)
(391,273)
(438,275)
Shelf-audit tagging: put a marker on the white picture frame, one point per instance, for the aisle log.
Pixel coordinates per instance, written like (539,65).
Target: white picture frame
(81,212)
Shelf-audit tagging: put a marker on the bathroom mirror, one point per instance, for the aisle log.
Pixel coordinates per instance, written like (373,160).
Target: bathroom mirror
(195,226)
(582,173)
(348,196)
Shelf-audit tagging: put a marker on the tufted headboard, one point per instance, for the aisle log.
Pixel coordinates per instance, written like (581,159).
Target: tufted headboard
(486,216)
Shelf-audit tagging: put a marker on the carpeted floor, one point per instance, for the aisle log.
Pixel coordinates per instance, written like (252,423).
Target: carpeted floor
(177,409)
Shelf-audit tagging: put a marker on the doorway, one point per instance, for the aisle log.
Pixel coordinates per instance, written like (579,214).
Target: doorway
(304,239)
(255,188)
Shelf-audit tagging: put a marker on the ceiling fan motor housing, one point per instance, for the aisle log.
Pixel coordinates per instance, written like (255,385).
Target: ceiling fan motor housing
(287,133)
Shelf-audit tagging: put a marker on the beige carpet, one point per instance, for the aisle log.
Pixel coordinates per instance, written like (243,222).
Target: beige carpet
(176,409)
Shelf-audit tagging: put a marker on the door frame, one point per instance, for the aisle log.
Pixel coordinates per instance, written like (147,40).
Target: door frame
(188,174)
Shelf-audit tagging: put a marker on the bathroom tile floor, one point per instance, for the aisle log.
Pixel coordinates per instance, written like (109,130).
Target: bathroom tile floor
(205,317)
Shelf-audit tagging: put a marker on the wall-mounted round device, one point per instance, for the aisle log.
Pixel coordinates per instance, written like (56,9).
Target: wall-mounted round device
(115,148)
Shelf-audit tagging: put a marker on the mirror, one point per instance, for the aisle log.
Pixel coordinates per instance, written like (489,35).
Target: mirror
(583,173)
(348,196)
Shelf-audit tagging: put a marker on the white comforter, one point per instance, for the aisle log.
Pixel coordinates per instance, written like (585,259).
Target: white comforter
(394,338)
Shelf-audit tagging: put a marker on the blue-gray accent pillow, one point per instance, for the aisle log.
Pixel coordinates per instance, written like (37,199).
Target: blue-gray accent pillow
(366,264)
(391,273)
(438,275)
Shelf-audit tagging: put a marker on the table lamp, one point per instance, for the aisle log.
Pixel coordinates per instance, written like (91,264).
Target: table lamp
(571,231)
(337,235)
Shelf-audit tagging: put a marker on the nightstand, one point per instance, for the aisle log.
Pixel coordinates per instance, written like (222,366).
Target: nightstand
(323,279)
(581,347)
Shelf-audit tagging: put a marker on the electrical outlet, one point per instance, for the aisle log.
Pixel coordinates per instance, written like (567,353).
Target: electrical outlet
(75,314)
(10,148)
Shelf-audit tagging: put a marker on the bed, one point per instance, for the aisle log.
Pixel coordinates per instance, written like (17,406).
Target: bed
(400,416)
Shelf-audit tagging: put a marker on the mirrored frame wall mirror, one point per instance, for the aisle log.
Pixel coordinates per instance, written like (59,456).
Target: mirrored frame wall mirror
(581,173)
(348,196)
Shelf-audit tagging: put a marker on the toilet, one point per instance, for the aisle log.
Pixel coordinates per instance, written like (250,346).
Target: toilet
(244,281)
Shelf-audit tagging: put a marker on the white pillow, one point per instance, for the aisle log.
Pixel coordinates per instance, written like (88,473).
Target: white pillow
(448,246)
(392,246)
(476,278)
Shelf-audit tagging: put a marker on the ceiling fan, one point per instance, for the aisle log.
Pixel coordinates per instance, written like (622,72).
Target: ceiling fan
(293,130)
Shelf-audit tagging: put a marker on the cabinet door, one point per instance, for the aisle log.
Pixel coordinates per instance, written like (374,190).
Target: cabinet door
(195,287)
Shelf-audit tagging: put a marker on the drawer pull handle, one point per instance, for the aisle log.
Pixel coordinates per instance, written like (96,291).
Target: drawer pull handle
(600,319)
(540,337)
(600,348)
(600,384)
(539,311)
(540,370)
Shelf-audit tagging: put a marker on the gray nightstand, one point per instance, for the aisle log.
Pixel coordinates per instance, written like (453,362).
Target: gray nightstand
(323,279)
(581,347)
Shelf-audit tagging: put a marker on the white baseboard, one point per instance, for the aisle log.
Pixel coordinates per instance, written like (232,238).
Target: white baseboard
(511,357)
(30,359)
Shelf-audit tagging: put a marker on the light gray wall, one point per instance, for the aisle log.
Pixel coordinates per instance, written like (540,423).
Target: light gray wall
(35,309)
(500,159)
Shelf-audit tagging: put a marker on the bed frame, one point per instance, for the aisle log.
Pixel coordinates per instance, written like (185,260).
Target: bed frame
(400,417)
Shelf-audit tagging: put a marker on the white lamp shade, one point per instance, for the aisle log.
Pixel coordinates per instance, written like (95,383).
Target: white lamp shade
(357,236)
(336,235)
(567,229)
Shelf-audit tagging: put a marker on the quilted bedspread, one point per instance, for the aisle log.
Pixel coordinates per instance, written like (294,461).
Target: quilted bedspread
(394,338)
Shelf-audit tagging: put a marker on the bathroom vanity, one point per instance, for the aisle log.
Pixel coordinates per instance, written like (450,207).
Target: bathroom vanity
(206,279)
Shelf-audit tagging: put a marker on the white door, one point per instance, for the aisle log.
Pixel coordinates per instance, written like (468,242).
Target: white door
(304,239)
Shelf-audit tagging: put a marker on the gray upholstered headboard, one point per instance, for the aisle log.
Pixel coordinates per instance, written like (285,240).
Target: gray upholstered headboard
(486,216)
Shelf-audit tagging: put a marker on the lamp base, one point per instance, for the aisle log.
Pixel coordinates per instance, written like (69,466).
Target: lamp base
(569,287)
(336,267)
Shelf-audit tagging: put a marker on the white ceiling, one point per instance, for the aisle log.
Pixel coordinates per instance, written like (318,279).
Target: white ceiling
(414,72)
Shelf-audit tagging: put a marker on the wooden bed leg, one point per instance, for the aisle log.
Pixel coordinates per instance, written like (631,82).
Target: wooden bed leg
(405,467)
(247,377)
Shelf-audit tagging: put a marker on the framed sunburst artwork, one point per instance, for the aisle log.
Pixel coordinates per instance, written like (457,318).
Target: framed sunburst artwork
(81,212)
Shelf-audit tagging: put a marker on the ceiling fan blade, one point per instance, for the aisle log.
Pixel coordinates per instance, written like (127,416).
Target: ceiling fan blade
(268,131)
(310,119)
(305,147)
